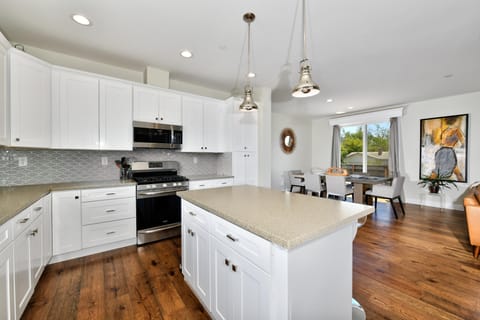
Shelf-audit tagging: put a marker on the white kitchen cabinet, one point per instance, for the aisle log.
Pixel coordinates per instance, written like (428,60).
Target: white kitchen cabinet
(244,128)
(66,221)
(30,101)
(210,183)
(196,253)
(245,168)
(116,108)
(7,307)
(75,110)
(157,106)
(4,110)
(205,125)
(27,253)
(47,229)
(241,290)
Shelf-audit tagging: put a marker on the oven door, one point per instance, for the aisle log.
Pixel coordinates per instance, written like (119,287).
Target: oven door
(158,216)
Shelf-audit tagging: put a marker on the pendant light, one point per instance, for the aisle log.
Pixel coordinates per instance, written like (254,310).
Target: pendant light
(306,87)
(248,103)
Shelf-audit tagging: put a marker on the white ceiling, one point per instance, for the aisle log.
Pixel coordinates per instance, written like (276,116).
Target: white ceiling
(364,54)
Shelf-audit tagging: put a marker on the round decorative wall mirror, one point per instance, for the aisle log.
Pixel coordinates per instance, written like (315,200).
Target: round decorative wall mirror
(287,140)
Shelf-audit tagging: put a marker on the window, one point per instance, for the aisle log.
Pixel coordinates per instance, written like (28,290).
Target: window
(364,148)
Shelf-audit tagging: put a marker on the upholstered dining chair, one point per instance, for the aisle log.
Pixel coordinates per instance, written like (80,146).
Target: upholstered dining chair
(295,182)
(313,184)
(336,186)
(388,192)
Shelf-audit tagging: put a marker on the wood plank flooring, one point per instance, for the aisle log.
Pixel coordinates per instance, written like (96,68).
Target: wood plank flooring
(417,267)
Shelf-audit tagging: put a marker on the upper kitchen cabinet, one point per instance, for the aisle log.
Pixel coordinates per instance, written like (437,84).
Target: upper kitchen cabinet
(205,125)
(116,103)
(244,127)
(30,101)
(157,106)
(75,110)
(4,115)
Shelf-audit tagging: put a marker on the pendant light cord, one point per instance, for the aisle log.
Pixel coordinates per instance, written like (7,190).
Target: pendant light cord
(304,32)
(248,54)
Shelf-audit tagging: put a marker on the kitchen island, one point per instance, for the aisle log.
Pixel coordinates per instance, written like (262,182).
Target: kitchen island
(256,253)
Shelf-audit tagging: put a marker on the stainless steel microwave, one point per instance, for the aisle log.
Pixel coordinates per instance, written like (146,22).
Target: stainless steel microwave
(156,135)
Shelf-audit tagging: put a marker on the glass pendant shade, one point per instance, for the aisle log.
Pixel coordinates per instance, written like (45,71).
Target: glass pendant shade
(306,87)
(248,103)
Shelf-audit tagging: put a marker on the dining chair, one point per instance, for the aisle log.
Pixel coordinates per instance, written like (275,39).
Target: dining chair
(313,184)
(295,182)
(388,192)
(336,186)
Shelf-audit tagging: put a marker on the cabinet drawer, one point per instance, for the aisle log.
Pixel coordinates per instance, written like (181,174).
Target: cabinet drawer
(218,183)
(6,234)
(249,245)
(107,210)
(195,214)
(199,184)
(23,220)
(108,232)
(108,193)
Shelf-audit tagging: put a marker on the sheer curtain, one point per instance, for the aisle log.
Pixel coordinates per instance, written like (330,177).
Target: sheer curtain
(336,145)
(393,156)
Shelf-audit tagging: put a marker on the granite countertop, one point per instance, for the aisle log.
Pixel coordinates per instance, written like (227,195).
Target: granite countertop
(284,218)
(16,198)
(207,177)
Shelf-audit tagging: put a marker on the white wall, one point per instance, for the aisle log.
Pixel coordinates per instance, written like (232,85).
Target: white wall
(263,96)
(410,145)
(300,158)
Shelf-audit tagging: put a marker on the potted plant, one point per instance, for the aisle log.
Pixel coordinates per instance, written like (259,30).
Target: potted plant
(435,184)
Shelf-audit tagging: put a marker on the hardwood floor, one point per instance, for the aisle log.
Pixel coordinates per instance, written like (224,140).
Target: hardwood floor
(417,267)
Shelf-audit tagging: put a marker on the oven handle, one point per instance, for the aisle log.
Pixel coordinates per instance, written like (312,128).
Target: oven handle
(152,194)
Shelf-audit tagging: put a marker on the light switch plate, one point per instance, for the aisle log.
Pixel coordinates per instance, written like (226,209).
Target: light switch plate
(104,161)
(22,161)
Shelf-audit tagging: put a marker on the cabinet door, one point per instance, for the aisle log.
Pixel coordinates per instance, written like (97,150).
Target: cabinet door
(30,95)
(251,168)
(47,229)
(6,284)
(36,249)
(244,130)
(238,167)
(201,250)
(211,126)
(23,275)
(115,115)
(78,111)
(4,110)
(192,125)
(145,104)
(170,108)
(188,255)
(223,283)
(66,222)
(252,290)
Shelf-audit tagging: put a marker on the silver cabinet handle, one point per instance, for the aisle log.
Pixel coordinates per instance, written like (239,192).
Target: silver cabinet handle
(192,213)
(17,139)
(229,236)
(189,231)
(192,233)
(24,220)
(234,268)
(38,208)
(110,210)
(227,263)
(34,232)
(110,232)
(110,193)
(224,183)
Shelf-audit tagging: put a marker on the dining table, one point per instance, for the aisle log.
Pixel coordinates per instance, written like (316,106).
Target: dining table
(361,182)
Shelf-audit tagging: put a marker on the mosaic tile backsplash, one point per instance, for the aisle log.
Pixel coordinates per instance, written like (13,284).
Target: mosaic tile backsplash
(51,166)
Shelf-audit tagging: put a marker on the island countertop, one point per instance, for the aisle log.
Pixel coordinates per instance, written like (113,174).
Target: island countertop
(286,219)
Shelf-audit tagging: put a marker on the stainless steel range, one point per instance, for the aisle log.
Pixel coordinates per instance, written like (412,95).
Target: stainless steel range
(158,207)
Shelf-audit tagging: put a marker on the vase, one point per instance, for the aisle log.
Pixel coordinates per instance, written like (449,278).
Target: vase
(434,189)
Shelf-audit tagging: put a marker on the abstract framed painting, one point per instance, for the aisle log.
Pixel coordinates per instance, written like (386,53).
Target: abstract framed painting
(444,147)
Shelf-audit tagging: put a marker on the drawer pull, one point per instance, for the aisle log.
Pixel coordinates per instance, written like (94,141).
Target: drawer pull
(110,232)
(234,268)
(229,236)
(24,220)
(34,232)
(189,231)
(110,193)
(224,183)
(192,233)
(192,213)
(227,263)
(110,210)
(38,208)
(77,197)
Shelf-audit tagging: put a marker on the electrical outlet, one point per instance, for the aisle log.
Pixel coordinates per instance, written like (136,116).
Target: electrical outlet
(104,161)
(22,161)
(195,160)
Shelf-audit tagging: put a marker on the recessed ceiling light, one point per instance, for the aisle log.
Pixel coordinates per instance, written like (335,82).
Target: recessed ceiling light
(251,75)
(186,53)
(81,19)
(329,100)
(340,112)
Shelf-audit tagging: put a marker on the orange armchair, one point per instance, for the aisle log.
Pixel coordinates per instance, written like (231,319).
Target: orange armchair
(471,203)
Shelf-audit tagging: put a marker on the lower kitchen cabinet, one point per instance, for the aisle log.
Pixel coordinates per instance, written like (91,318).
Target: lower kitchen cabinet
(245,168)
(66,221)
(210,183)
(7,307)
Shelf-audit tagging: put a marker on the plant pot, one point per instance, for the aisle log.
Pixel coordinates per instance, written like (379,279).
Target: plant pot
(434,189)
